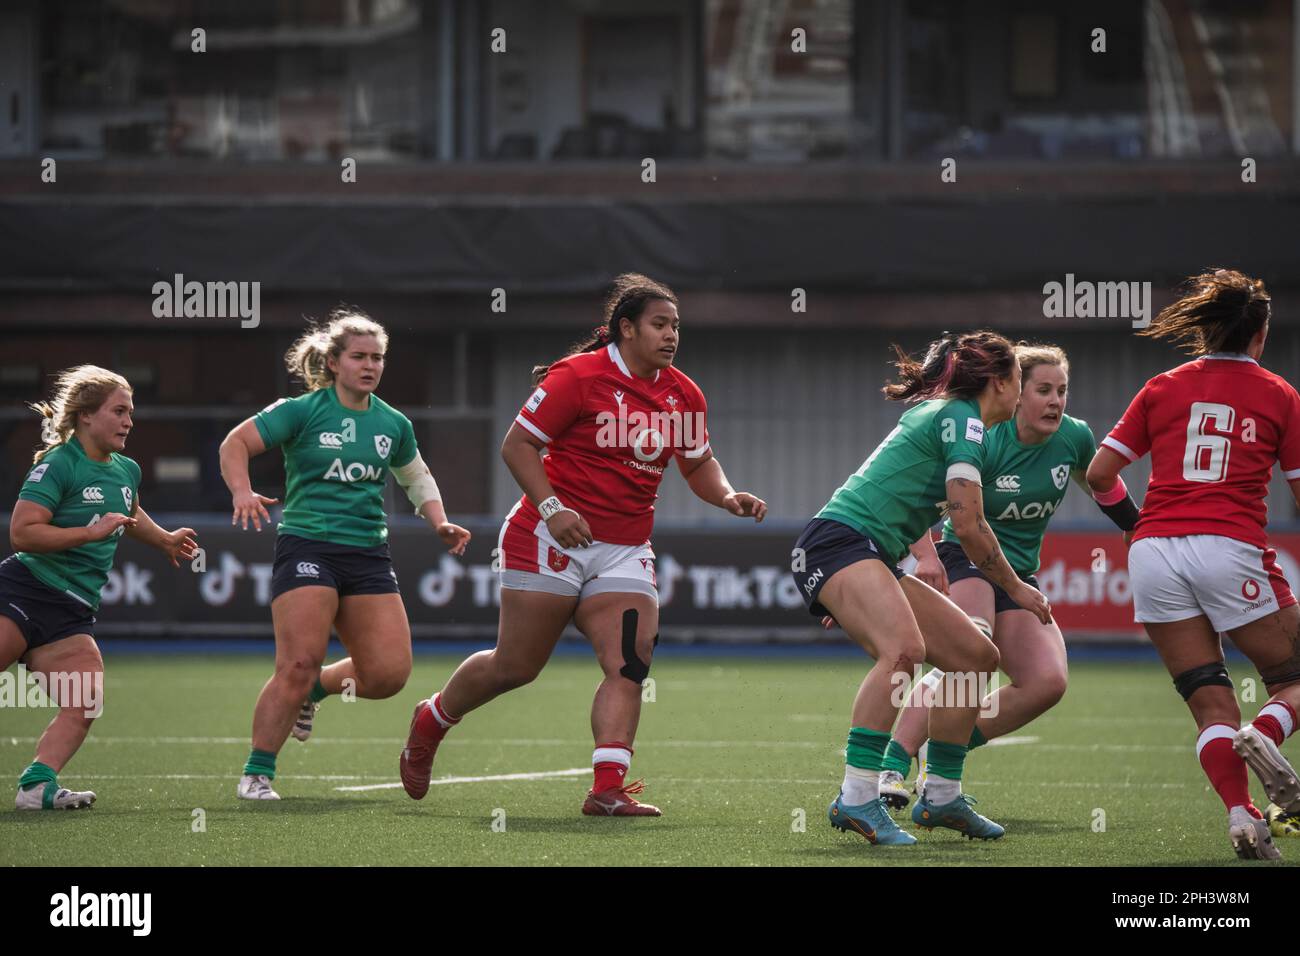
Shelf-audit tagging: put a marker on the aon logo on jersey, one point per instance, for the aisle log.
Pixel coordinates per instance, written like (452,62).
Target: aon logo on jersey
(1035,509)
(355,471)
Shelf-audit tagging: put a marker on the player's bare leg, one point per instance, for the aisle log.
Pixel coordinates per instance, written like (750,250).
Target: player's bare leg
(1033,657)
(302,619)
(955,645)
(866,600)
(530,625)
(71,661)
(1273,645)
(1193,655)
(622,627)
(975,597)
(377,634)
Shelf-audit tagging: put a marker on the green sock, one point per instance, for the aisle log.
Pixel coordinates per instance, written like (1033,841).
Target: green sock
(945,760)
(977,739)
(866,749)
(898,759)
(318,693)
(260,762)
(35,774)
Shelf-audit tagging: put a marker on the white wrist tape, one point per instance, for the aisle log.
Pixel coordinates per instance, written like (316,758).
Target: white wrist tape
(417,481)
(550,507)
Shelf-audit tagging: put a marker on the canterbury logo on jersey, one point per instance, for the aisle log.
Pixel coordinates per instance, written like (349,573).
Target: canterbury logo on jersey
(1007,483)
(355,471)
(308,570)
(331,440)
(92,494)
(1035,509)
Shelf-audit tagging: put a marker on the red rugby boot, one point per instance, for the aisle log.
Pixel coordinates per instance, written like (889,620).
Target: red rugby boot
(618,802)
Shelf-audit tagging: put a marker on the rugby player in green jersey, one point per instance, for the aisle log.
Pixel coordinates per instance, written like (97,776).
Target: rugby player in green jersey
(81,495)
(332,564)
(846,565)
(1029,462)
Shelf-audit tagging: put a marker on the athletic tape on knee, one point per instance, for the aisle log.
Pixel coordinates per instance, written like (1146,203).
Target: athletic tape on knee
(634,669)
(1207,675)
(1281,679)
(985,627)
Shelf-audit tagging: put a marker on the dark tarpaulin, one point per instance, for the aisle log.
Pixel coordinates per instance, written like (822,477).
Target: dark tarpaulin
(571,246)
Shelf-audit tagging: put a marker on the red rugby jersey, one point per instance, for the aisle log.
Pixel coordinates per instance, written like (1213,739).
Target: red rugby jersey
(1214,427)
(609,437)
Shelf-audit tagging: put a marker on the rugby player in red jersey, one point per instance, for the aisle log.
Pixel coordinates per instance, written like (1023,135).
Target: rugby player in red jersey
(1199,562)
(610,416)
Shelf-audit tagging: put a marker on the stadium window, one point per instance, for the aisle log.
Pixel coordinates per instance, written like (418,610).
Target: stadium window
(302,81)
(767,99)
(599,80)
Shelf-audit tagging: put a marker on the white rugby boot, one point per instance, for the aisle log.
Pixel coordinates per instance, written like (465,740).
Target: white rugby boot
(306,716)
(892,790)
(1274,772)
(256,787)
(50,796)
(1251,838)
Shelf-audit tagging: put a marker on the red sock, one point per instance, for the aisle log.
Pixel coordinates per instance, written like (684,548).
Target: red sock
(610,762)
(1227,771)
(429,725)
(1276,721)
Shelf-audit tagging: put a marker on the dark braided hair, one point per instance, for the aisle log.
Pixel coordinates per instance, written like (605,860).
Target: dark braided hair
(626,299)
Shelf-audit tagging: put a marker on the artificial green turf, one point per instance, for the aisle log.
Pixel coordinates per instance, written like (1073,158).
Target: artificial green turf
(731,749)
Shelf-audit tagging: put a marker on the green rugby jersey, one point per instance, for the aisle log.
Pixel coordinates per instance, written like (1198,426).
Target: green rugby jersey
(1024,485)
(79,490)
(336,463)
(901,489)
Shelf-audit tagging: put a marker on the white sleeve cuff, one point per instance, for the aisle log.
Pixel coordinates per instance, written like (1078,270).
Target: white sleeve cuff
(1120,447)
(963,469)
(533,428)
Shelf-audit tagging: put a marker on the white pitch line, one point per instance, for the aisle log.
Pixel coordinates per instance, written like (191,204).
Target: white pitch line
(1012,741)
(541,775)
(460,741)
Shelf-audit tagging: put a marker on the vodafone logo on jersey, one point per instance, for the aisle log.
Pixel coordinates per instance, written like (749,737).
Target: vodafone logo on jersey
(1249,590)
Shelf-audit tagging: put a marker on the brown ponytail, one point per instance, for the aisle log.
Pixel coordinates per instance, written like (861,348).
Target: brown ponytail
(959,364)
(1221,311)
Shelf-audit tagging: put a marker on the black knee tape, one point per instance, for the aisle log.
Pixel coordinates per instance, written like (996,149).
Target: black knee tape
(634,669)
(1207,675)
(1281,679)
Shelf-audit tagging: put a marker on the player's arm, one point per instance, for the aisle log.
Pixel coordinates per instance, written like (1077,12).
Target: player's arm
(521,452)
(30,529)
(966,509)
(929,568)
(1117,503)
(243,442)
(707,480)
(417,481)
(177,545)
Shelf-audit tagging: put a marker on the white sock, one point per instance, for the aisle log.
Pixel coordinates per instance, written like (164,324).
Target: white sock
(941,790)
(860,786)
(440,715)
